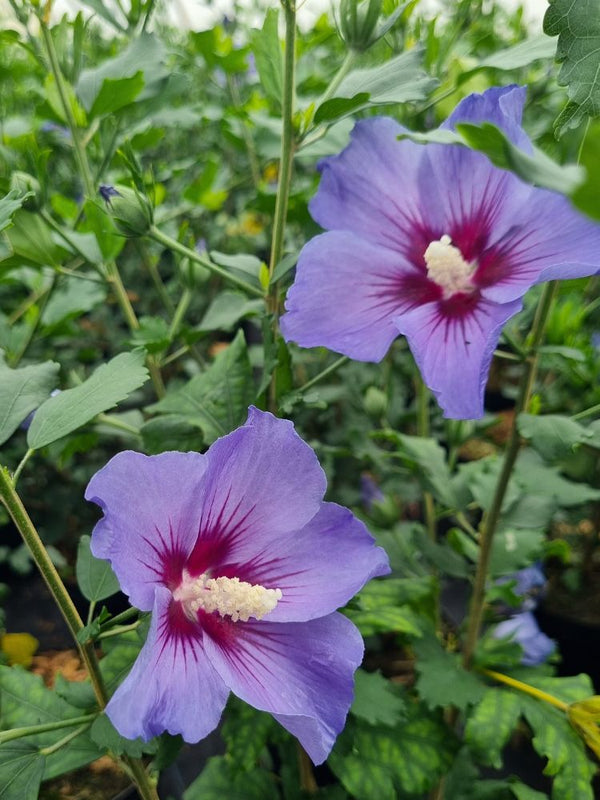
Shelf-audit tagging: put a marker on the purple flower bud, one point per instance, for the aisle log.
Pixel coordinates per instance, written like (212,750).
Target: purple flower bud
(524,630)
(530,584)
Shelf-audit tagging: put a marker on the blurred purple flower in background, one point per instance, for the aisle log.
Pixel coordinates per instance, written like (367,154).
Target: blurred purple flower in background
(433,242)
(529,586)
(524,630)
(239,559)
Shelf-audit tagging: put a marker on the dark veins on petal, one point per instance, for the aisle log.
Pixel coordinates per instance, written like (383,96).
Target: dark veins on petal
(169,559)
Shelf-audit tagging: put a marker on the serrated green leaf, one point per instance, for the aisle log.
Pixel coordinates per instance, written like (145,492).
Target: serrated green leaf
(267,52)
(490,725)
(115,94)
(555,436)
(8,205)
(227,309)
(339,107)
(577,25)
(152,335)
(219,780)
(31,239)
(376,700)
(110,384)
(513,549)
(24,700)
(95,577)
(395,604)
(170,432)
(22,391)
(104,734)
(518,55)
(442,679)
(70,299)
(399,80)
(429,458)
(21,771)
(217,400)
(376,762)
(246,732)
(145,54)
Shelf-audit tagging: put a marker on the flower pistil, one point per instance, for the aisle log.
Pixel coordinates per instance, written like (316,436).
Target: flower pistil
(447,267)
(229,597)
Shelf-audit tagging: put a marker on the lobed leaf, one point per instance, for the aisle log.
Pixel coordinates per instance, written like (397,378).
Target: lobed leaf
(22,391)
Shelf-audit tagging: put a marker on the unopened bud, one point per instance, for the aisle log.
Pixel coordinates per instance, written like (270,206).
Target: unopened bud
(26,184)
(375,402)
(131,210)
(358,21)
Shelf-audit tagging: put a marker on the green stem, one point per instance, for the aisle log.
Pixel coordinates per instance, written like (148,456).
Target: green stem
(119,618)
(526,689)
(490,520)
(32,730)
(20,517)
(117,424)
(47,751)
(324,374)
(287,144)
(61,87)
(339,76)
(177,247)
(21,465)
(423,431)
(588,412)
(180,311)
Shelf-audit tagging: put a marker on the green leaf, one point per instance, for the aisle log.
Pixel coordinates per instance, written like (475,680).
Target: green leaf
(399,80)
(227,309)
(170,432)
(490,725)
(9,204)
(442,679)
(246,732)
(339,107)
(376,700)
(394,604)
(119,659)
(537,168)
(21,771)
(267,52)
(429,460)
(219,779)
(31,239)
(95,577)
(375,762)
(517,56)
(70,299)
(555,436)
(513,549)
(217,400)
(577,25)
(116,94)
(69,410)
(105,735)
(152,335)
(144,55)
(22,391)
(24,700)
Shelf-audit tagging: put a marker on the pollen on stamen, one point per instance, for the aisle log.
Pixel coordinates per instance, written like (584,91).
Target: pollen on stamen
(229,597)
(447,267)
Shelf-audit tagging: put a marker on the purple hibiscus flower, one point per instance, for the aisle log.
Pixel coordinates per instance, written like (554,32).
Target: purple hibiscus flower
(243,566)
(523,629)
(433,242)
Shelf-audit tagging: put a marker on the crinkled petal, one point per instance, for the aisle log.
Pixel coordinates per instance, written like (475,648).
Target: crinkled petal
(318,568)
(372,187)
(524,630)
(453,343)
(346,294)
(172,686)
(302,673)
(550,241)
(150,506)
(500,105)
(262,481)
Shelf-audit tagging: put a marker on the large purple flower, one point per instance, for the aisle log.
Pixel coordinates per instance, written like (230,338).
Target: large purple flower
(433,242)
(243,566)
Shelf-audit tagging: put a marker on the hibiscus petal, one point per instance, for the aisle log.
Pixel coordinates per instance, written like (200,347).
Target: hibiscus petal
(453,347)
(373,187)
(262,481)
(150,507)
(346,294)
(552,241)
(302,673)
(172,686)
(500,105)
(318,568)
